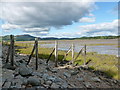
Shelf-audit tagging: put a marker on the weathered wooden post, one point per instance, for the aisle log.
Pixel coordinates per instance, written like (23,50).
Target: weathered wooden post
(50,55)
(31,53)
(12,50)
(8,53)
(66,54)
(85,55)
(78,54)
(72,53)
(56,53)
(36,52)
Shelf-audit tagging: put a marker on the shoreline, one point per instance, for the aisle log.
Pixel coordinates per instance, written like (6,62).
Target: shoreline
(67,76)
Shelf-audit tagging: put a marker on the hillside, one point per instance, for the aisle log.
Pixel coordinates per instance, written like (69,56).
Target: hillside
(20,38)
(27,37)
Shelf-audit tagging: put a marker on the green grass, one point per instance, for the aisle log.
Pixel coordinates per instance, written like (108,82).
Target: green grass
(102,62)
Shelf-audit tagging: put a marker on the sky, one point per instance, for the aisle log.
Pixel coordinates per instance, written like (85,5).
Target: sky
(59,19)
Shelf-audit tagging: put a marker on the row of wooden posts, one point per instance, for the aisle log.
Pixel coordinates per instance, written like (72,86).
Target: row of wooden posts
(11,53)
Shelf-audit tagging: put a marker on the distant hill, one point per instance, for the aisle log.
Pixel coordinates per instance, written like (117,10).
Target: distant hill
(27,37)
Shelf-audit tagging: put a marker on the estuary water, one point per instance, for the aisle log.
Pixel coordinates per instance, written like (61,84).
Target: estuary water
(100,46)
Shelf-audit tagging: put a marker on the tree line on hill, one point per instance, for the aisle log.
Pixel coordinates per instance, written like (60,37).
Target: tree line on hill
(32,38)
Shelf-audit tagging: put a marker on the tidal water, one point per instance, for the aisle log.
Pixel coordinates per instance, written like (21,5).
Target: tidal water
(100,46)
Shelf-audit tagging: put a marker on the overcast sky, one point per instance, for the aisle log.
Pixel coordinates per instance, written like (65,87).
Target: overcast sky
(59,19)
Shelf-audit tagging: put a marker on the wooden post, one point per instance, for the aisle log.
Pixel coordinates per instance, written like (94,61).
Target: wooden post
(66,54)
(56,53)
(50,55)
(31,53)
(72,53)
(8,53)
(78,54)
(12,50)
(85,55)
(36,53)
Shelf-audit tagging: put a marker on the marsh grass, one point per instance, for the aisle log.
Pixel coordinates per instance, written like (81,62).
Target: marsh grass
(99,44)
(102,62)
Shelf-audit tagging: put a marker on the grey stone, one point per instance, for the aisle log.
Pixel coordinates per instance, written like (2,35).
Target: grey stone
(42,81)
(33,81)
(80,79)
(25,71)
(44,76)
(87,84)
(18,82)
(54,70)
(22,62)
(7,85)
(64,85)
(115,81)
(96,79)
(37,74)
(48,82)
(48,68)
(24,82)
(51,78)
(67,75)
(54,85)
(8,66)
(74,72)
(58,79)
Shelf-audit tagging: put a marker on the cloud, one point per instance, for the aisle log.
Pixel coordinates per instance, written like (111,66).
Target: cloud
(101,29)
(40,16)
(106,28)
(8,26)
(87,20)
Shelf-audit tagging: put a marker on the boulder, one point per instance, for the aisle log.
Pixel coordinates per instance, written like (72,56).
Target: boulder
(33,81)
(25,71)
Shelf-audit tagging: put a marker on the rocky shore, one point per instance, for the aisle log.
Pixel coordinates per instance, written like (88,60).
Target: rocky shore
(48,76)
